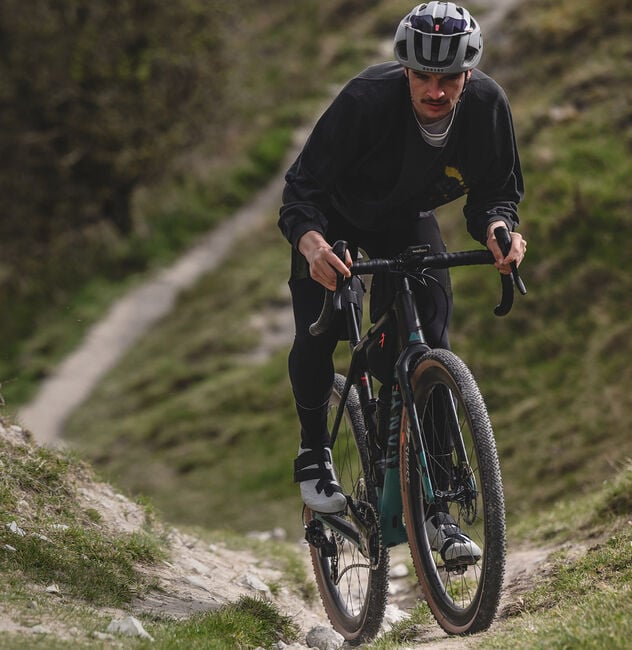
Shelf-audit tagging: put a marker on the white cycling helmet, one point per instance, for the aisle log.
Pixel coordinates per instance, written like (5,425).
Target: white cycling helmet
(439,37)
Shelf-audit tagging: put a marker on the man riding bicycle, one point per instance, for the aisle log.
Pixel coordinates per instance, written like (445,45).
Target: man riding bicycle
(401,139)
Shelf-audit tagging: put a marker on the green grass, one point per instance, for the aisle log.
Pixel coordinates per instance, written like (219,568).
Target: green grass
(47,537)
(583,603)
(405,632)
(249,623)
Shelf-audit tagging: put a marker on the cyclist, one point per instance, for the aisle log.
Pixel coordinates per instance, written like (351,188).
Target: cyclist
(401,139)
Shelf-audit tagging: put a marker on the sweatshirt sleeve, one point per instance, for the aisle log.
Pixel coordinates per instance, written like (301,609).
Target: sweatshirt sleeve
(311,180)
(499,187)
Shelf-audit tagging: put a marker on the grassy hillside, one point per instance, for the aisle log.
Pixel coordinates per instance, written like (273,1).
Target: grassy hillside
(76,555)
(560,390)
(279,60)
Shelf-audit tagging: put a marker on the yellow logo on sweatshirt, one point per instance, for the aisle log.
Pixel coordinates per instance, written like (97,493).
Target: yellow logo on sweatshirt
(453,172)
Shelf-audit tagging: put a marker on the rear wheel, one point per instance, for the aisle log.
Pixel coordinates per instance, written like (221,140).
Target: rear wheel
(462,465)
(352,582)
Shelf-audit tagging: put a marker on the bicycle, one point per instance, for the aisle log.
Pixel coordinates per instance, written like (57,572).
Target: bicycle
(429,448)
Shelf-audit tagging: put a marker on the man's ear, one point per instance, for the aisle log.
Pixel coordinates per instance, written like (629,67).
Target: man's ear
(468,74)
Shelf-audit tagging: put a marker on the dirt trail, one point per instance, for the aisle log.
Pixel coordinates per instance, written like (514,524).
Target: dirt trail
(200,576)
(131,317)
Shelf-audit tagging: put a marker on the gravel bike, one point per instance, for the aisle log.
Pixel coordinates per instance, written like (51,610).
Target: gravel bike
(424,445)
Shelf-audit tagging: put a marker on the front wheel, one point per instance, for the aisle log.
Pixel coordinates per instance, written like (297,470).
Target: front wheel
(459,467)
(352,581)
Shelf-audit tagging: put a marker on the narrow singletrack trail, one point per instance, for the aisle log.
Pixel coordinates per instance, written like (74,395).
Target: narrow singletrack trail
(132,316)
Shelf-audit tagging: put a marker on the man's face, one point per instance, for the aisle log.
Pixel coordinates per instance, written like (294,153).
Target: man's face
(434,95)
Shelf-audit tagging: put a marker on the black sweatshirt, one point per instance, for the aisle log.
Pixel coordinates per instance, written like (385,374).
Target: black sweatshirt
(366,162)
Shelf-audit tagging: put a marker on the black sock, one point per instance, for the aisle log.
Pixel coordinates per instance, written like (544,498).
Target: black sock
(314,432)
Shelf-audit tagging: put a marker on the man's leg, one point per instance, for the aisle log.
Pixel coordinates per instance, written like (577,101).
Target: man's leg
(311,375)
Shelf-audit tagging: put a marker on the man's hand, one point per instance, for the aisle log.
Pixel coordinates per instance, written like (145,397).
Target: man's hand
(516,253)
(323,262)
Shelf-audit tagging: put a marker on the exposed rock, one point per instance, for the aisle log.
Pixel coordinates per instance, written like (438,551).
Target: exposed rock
(251,581)
(399,570)
(393,615)
(324,638)
(129,626)
(15,529)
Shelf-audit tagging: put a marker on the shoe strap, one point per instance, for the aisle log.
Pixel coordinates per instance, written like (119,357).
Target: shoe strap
(310,474)
(445,522)
(311,457)
(313,471)
(304,470)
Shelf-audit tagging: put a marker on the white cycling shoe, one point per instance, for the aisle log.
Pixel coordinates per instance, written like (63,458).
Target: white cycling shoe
(320,490)
(447,539)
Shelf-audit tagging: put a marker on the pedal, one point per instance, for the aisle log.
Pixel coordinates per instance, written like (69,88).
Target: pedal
(459,566)
(316,536)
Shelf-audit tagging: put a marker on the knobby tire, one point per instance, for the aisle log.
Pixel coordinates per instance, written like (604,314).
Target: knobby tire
(355,605)
(464,599)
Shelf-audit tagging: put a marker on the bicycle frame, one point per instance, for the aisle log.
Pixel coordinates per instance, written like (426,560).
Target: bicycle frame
(390,508)
(410,458)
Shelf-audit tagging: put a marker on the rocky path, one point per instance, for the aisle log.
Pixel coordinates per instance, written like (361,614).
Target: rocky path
(201,576)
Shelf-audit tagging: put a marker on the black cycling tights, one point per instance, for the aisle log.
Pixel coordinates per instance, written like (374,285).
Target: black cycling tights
(310,362)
